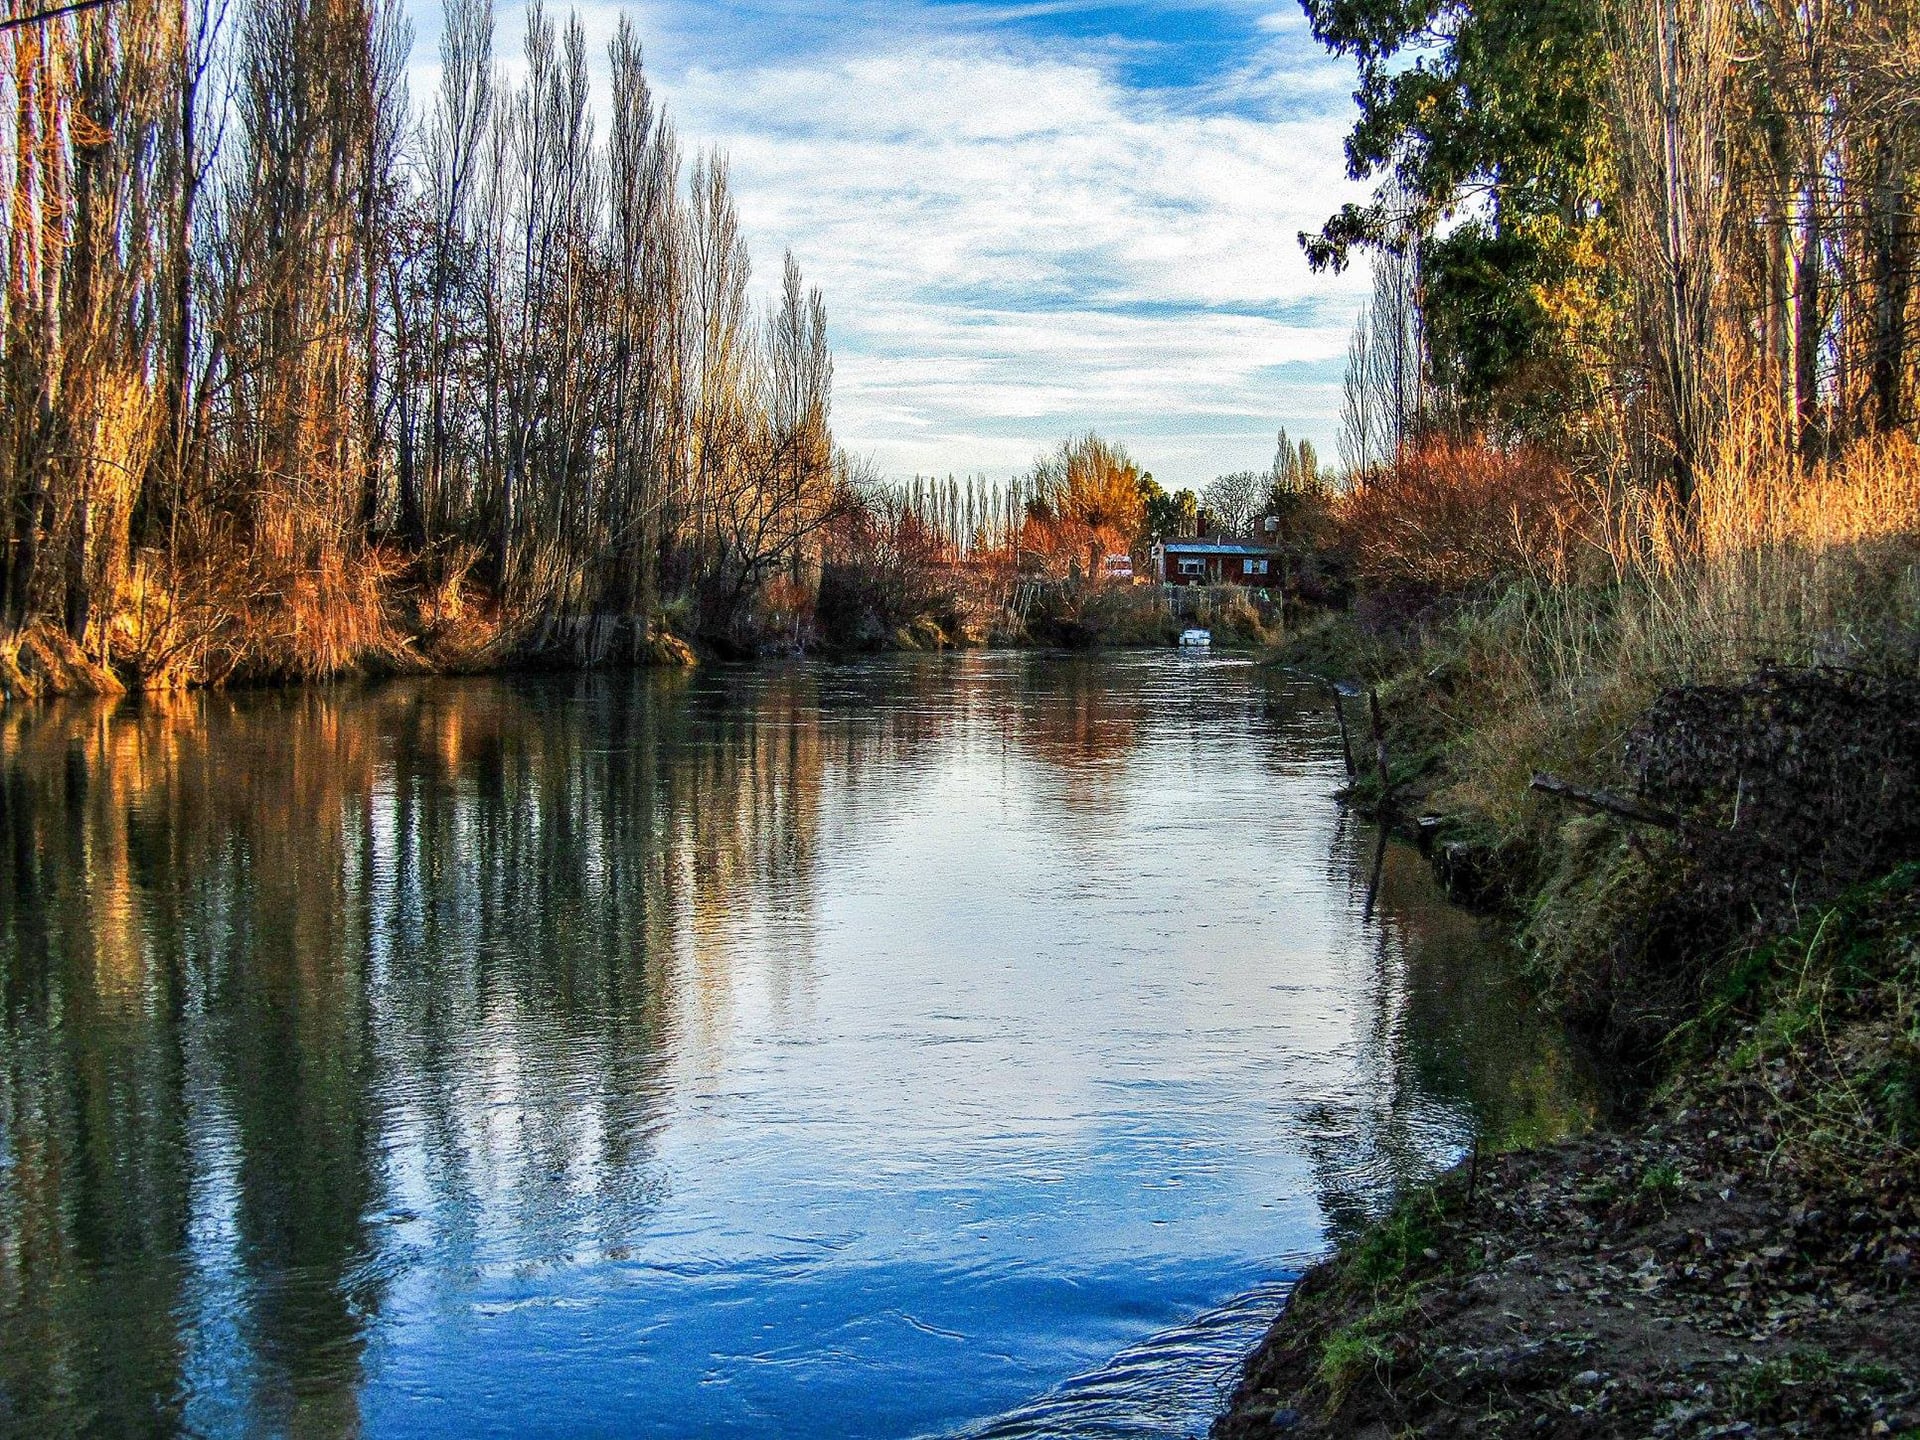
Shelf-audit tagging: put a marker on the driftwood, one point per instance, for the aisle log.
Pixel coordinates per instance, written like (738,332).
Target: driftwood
(1607,803)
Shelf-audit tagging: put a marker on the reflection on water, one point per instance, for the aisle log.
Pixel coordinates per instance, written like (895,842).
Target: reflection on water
(872,1050)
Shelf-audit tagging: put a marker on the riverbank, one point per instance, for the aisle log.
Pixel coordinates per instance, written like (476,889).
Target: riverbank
(1735,1254)
(464,634)
(1738,1261)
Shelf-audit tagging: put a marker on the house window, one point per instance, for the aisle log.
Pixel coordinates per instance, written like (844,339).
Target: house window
(1256,567)
(1192,567)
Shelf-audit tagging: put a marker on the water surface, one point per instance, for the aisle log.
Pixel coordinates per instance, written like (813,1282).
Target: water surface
(941,1045)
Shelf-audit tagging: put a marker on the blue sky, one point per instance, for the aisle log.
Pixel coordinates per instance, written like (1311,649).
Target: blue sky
(1029,219)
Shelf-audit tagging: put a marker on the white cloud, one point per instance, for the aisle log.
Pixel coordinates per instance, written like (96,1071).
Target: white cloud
(1015,245)
(1279,21)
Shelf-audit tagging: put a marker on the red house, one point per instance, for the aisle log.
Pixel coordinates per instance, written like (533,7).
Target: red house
(1215,562)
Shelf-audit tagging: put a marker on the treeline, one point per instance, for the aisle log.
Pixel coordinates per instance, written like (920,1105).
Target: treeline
(1239,504)
(971,519)
(294,375)
(1656,238)
(1083,500)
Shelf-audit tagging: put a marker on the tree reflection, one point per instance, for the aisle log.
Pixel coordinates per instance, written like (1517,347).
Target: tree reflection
(283,975)
(1446,1024)
(297,988)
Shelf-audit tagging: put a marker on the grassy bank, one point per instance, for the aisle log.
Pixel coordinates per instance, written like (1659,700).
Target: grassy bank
(1729,921)
(455,630)
(1738,1261)
(444,631)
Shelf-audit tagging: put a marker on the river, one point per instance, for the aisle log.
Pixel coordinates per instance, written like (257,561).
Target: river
(945,1045)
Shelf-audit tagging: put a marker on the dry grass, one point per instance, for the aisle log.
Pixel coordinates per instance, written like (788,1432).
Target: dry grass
(1560,645)
(1578,600)
(1775,562)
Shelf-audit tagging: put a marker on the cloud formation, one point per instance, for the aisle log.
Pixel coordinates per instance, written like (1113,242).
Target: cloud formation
(1031,220)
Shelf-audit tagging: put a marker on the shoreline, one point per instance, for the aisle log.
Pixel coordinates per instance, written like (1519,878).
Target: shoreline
(1735,1252)
(43,662)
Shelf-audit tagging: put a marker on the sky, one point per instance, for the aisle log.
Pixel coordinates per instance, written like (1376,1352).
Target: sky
(1029,219)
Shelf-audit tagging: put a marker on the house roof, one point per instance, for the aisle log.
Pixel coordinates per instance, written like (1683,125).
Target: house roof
(1212,547)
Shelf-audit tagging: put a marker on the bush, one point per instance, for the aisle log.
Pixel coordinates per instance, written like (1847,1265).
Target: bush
(1450,516)
(881,577)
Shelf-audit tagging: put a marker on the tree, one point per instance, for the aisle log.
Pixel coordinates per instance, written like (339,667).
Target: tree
(1296,467)
(1485,112)
(1168,517)
(267,343)
(1084,501)
(1234,501)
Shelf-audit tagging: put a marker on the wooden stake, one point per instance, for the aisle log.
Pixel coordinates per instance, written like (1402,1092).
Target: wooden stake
(1346,740)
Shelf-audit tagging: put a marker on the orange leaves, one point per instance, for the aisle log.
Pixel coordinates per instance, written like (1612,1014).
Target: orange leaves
(1088,501)
(1454,514)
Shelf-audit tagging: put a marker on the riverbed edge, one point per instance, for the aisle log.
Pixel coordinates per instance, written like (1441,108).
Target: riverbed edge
(42,662)
(1703,1263)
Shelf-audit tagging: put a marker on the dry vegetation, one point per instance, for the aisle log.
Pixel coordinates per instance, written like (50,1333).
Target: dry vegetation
(297,380)
(1636,502)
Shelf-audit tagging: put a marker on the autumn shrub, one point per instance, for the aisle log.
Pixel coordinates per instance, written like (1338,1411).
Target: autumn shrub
(882,573)
(1452,516)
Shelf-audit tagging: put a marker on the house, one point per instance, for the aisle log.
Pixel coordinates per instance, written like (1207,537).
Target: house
(1215,562)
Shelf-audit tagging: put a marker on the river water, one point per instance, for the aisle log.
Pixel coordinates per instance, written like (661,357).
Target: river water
(937,1046)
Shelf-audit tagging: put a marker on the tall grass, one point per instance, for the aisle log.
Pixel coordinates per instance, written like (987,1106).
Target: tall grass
(1581,597)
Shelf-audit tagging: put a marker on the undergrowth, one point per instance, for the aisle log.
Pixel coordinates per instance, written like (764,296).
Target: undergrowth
(1824,1024)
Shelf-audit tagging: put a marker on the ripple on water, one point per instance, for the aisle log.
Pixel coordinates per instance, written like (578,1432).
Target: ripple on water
(903,1048)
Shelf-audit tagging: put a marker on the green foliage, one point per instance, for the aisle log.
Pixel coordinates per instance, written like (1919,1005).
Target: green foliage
(1826,1021)
(1839,952)
(1168,516)
(1662,1181)
(1496,116)
(1381,1262)
(1383,1254)
(1764,1386)
(1353,1350)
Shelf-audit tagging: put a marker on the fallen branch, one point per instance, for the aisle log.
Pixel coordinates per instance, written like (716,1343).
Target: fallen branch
(1607,803)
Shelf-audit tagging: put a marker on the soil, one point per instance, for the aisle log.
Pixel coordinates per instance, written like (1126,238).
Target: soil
(1680,1280)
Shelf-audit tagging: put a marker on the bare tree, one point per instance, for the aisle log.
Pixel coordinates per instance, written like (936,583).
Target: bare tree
(1670,93)
(1385,396)
(268,343)
(1235,501)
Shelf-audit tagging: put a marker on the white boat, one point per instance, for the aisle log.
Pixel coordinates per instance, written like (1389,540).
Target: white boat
(1198,639)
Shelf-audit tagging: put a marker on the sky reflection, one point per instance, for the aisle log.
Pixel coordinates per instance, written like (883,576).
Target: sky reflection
(856,1051)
